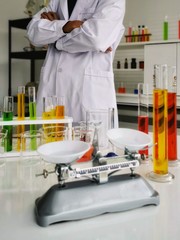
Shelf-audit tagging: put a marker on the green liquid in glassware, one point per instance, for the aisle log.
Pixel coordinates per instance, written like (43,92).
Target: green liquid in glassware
(8,116)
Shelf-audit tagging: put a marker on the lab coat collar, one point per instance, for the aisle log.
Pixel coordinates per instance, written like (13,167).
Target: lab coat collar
(79,5)
(64,9)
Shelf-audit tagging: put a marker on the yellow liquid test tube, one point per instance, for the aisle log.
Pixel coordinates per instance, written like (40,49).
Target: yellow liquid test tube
(20,113)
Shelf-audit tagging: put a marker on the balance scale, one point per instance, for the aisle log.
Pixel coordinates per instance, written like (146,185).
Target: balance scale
(87,192)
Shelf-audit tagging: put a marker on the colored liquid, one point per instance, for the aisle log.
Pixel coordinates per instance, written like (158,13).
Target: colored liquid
(87,156)
(21,116)
(121,90)
(33,142)
(160,158)
(46,116)
(8,116)
(143,127)
(21,106)
(172,127)
(33,128)
(32,110)
(165,31)
(55,133)
(60,111)
(20,129)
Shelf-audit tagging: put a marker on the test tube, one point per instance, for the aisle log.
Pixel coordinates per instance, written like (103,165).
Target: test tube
(172,117)
(8,116)
(21,114)
(58,102)
(160,112)
(32,103)
(32,115)
(143,111)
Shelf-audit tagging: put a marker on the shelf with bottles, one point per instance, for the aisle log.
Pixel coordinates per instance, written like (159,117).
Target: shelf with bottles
(136,37)
(128,70)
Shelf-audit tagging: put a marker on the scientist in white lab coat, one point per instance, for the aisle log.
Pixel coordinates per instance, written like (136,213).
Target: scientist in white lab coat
(82,36)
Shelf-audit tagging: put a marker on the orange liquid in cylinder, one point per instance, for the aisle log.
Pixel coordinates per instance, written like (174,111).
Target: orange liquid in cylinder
(172,127)
(160,158)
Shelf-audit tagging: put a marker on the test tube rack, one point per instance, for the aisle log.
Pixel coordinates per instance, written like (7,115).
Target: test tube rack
(39,121)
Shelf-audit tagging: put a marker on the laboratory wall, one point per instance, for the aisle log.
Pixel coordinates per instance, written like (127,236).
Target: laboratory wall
(152,14)
(11,10)
(138,12)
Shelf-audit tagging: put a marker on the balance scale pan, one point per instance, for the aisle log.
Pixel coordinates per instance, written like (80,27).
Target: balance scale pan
(63,152)
(131,139)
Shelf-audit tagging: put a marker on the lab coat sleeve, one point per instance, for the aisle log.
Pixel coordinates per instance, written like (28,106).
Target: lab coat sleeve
(99,32)
(41,32)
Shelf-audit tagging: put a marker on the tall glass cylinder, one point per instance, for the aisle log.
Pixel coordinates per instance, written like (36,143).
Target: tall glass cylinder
(32,115)
(32,103)
(160,127)
(21,103)
(172,117)
(8,116)
(20,113)
(143,111)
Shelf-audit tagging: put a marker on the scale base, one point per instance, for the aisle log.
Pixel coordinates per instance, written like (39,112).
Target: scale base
(84,199)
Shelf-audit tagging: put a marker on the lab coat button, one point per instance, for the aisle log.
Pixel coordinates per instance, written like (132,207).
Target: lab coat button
(60,70)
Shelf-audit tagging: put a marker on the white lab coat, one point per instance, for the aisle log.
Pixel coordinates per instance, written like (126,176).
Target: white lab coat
(80,69)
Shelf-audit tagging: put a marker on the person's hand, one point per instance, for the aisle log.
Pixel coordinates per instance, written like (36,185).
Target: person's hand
(69,26)
(51,16)
(108,50)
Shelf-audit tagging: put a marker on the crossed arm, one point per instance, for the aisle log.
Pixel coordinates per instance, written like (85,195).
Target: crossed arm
(69,26)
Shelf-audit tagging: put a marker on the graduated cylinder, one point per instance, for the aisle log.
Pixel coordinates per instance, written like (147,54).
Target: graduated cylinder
(160,114)
(172,116)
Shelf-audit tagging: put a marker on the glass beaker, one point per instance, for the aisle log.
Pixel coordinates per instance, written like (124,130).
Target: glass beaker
(84,132)
(160,112)
(103,120)
(143,112)
(54,133)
